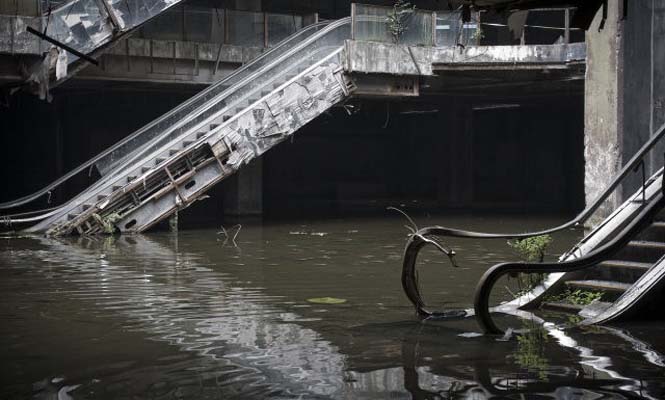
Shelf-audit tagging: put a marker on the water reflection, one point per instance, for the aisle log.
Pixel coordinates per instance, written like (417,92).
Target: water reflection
(186,316)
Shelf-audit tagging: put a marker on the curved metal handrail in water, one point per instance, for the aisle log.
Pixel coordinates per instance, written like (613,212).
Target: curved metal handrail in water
(429,235)
(487,281)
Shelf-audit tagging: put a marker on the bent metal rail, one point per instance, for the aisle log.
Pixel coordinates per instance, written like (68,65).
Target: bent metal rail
(432,235)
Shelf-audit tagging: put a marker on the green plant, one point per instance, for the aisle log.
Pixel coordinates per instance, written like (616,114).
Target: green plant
(532,248)
(578,297)
(530,353)
(478,34)
(398,17)
(107,222)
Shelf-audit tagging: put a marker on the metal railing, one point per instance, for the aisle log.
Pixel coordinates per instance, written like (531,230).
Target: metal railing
(551,26)
(602,253)
(316,48)
(370,23)
(108,159)
(431,235)
(224,26)
(307,46)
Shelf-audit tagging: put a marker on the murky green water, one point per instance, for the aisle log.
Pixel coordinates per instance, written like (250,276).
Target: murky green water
(166,316)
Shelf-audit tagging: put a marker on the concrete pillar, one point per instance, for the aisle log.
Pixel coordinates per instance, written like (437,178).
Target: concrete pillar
(624,95)
(603,107)
(243,192)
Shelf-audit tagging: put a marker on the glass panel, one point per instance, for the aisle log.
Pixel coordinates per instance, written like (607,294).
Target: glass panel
(80,25)
(371,24)
(418,29)
(51,4)
(450,30)
(280,26)
(135,12)
(246,28)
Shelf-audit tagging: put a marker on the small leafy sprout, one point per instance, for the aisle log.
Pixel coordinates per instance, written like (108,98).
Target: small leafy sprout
(578,297)
(531,249)
(398,17)
(478,34)
(531,350)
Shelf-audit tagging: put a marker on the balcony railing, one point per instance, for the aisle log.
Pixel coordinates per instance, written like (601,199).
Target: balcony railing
(543,26)
(446,28)
(214,25)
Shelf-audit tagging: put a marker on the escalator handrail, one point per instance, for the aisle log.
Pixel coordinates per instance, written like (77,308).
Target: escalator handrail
(132,157)
(330,26)
(443,231)
(235,88)
(88,164)
(602,253)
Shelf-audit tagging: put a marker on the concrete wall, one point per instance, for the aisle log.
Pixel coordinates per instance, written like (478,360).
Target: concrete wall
(624,95)
(385,154)
(453,158)
(644,77)
(603,107)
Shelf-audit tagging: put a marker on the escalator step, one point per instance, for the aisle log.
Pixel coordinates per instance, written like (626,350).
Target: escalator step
(647,244)
(560,306)
(648,251)
(608,286)
(642,266)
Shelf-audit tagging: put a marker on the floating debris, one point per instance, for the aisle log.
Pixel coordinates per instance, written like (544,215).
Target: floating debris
(326,300)
(506,336)
(470,334)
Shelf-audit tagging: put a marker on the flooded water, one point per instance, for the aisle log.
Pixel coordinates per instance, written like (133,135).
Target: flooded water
(197,316)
